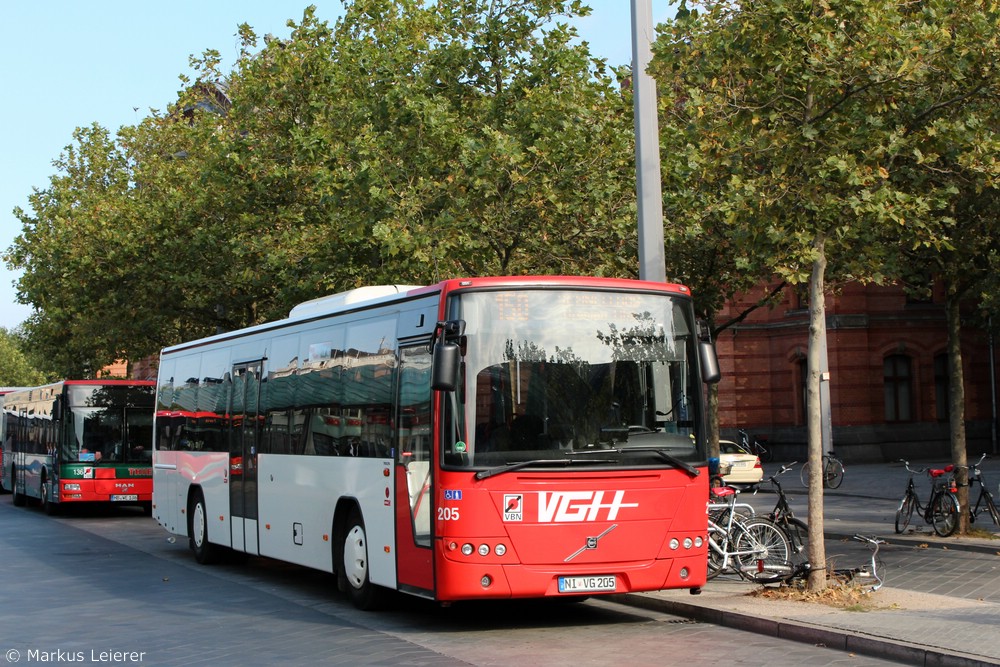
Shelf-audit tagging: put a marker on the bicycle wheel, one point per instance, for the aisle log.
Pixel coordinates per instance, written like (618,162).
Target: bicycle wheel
(904,512)
(714,563)
(797,531)
(763,551)
(833,472)
(804,474)
(944,513)
(994,514)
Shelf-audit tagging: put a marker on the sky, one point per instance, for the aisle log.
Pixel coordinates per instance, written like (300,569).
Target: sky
(68,64)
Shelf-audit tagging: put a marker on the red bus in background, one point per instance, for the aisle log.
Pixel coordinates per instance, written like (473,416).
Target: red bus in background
(480,438)
(78,441)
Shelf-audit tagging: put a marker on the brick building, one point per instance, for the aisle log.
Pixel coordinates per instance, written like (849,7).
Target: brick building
(888,375)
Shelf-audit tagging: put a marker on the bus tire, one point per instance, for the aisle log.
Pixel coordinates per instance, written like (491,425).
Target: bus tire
(48,506)
(19,499)
(354,565)
(205,552)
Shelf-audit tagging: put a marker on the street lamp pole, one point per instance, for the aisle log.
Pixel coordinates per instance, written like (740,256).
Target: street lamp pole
(652,265)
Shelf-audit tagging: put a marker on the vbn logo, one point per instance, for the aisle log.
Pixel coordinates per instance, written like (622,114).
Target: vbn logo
(567,506)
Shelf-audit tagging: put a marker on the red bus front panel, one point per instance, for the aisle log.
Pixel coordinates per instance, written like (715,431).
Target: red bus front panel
(537,535)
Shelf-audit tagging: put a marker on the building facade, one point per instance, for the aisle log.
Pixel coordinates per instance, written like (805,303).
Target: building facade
(888,375)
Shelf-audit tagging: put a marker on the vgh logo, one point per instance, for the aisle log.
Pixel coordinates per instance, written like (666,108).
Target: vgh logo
(578,506)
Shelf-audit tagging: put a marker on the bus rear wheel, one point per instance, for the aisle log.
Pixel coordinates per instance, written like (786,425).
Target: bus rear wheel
(354,565)
(205,552)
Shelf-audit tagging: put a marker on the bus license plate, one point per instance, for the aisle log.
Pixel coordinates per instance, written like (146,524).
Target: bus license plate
(125,497)
(592,584)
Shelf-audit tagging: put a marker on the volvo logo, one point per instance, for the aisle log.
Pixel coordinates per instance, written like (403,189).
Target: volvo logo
(590,544)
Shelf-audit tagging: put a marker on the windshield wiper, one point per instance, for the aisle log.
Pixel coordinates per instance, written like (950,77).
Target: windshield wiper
(669,458)
(511,467)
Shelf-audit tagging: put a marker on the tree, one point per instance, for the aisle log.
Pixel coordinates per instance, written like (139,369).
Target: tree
(16,370)
(793,115)
(409,142)
(68,253)
(967,274)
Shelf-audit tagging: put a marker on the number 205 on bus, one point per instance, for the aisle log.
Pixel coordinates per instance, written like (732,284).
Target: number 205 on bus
(519,437)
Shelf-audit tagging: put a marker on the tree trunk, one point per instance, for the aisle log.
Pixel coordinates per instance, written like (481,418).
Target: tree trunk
(956,406)
(817,329)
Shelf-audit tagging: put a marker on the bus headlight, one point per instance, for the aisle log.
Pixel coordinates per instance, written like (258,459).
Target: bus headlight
(71,487)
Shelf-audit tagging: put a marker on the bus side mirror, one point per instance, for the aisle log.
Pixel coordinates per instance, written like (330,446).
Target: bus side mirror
(447,361)
(447,364)
(710,373)
(56,410)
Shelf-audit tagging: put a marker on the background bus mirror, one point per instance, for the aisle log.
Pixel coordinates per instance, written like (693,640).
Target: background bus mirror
(710,373)
(444,372)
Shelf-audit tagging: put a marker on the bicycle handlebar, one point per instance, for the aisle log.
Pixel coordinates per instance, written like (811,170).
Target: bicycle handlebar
(785,468)
(906,464)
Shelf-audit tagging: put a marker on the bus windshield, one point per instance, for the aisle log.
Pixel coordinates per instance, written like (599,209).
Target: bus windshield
(607,377)
(108,424)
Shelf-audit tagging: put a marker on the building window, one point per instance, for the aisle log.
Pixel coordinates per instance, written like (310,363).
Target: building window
(898,384)
(942,384)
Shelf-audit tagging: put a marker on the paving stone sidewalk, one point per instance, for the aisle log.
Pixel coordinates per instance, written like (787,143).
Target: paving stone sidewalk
(941,602)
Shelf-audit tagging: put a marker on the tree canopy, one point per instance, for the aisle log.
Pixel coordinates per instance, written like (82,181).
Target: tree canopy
(407,143)
(16,368)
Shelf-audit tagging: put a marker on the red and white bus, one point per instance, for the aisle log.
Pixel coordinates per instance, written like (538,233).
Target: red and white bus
(78,441)
(477,438)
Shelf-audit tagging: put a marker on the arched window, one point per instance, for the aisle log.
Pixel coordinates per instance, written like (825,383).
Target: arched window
(898,386)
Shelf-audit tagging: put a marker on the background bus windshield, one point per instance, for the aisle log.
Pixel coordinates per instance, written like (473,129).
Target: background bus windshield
(108,424)
(552,374)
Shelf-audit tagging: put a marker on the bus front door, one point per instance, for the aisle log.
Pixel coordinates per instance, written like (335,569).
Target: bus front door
(414,473)
(243,456)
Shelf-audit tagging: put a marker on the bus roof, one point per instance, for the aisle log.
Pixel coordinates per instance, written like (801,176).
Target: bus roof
(366,297)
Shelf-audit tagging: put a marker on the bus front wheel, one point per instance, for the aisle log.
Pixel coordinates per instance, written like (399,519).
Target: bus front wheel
(354,565)
(19,500)
(205,552)
(48,506)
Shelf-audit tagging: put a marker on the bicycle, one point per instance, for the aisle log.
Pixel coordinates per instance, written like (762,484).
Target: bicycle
(751,547)
(754,446)
(833,472)
(942,508)
(985,497)
(874,570)
(795,528)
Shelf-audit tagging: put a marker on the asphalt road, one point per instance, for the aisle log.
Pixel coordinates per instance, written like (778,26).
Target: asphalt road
(111,589)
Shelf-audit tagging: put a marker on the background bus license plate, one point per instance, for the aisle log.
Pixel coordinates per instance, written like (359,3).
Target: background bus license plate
(587,584)
(124,497)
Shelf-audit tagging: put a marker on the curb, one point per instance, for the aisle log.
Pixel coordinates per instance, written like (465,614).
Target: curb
(876,647)
(928,542)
